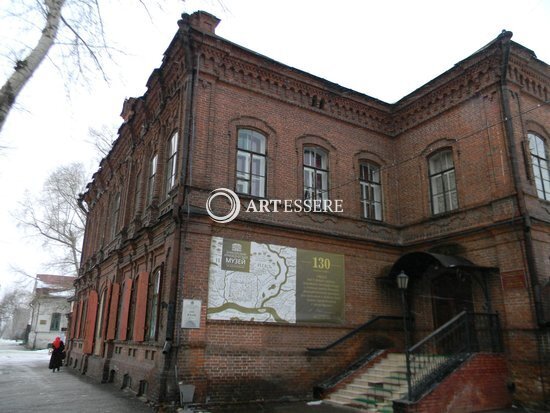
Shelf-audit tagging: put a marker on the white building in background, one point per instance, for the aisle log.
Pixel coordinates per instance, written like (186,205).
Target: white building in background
(50,308)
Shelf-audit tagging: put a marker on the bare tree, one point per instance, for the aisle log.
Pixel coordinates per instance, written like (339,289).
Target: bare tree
(55,216)
(25,67)
(13,305)
(102,139)
(74,28)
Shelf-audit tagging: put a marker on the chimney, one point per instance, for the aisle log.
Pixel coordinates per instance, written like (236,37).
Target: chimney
(204,21)
(128,109)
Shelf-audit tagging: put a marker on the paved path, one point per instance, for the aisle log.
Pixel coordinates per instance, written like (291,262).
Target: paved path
(28,386)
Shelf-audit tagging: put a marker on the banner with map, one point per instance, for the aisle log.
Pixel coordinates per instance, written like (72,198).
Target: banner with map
(250,281)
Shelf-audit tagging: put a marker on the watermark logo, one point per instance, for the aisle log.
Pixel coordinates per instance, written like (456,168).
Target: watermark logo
(234,202)
(269,205)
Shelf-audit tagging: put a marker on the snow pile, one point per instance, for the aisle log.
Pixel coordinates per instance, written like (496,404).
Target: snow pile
(14,352)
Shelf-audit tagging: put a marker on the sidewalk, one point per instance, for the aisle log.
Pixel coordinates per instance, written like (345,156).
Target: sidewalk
(304,407)
(27,385)
(281,407)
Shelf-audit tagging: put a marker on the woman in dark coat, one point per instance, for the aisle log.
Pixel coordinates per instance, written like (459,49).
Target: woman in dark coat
(56,360)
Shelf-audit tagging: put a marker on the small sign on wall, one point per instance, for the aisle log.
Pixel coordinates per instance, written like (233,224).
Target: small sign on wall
(191,314)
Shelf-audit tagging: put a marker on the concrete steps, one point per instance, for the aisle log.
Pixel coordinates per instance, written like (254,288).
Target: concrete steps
(375,389)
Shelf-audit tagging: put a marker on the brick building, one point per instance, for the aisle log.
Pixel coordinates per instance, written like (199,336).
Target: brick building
(450,185)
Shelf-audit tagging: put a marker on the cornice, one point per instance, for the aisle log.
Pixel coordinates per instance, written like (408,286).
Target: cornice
(296,88)
(242,68)
(460,84)
(533,79)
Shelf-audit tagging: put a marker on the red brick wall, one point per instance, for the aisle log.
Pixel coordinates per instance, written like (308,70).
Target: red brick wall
(460,110)
(479,384)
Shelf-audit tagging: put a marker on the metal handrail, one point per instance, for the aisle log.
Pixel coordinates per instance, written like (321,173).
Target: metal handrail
(437,331)
(435,356)
(353,333)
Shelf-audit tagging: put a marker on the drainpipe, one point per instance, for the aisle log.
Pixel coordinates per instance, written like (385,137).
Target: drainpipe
(526,218)
(185,179)
(36,326)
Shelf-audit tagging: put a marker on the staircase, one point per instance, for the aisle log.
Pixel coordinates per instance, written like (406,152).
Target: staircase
(435,357)
(375,389)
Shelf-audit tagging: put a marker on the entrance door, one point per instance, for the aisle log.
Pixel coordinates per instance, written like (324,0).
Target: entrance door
(451,295)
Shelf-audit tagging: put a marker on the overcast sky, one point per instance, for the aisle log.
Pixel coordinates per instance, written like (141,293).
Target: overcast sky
(385,49)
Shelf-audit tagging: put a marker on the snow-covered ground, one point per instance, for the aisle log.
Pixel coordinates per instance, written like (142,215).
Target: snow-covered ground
(13,352)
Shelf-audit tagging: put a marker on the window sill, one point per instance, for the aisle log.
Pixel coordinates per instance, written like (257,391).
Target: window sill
(445,214)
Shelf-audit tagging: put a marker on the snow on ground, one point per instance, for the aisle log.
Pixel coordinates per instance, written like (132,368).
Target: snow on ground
(12,352)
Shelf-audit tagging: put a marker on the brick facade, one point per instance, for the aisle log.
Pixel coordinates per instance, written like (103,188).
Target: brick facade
(462,393)
(207,89)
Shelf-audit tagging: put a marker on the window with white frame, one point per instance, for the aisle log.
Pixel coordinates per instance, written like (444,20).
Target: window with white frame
(98,341)
(153,298)
(115,211)
(137,194)
(152,178)
(55,322)
(539,160)
(315,173)
(251,163)
(122,297)
(442,182)
(171,163)
(371,191)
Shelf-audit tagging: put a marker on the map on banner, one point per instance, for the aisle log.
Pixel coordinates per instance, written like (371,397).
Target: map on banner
(251,281)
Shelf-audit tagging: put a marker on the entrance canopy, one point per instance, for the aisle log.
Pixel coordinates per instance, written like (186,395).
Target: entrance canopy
(415,264)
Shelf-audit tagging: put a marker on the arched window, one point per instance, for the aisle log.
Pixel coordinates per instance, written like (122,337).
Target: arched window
(315,173)
(115,211)
(98,342)
(371,191)
(151,179)
(251,163)
(123,309)
(132,311)
(137,194)
(83,316)
(442,182)
(171,164)
(153,299)
(539,159)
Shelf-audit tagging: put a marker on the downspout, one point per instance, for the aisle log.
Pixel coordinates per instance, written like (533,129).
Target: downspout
(187,116)
(526,218)
(36,326)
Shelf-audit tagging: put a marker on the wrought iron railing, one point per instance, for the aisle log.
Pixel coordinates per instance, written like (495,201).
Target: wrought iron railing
(360,338)
(353,333)
(434,357)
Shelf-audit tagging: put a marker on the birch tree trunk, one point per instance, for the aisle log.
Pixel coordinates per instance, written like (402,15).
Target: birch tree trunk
(24,69)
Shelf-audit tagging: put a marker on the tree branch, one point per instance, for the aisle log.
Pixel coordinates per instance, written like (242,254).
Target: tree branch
(24,69)
(87,47)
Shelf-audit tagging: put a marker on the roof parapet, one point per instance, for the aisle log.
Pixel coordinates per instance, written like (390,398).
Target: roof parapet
(202,21)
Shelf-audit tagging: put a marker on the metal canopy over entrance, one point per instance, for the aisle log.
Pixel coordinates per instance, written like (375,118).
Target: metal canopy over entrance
(415,264)
(438,266)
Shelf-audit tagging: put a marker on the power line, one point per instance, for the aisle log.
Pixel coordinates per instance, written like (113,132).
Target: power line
(461,138)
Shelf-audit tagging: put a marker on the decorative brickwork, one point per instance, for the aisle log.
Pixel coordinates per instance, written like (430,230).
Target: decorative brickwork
(206,90)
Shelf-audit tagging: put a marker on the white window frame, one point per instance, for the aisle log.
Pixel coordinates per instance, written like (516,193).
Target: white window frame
(442,177)
(316,173)
(371,190)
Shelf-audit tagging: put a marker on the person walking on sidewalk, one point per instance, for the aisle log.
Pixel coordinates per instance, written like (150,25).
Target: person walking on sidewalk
(58,354)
